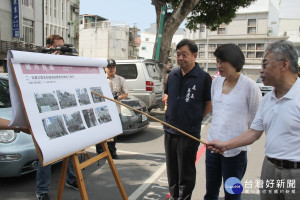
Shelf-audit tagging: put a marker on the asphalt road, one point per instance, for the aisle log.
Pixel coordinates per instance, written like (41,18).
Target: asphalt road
(141,168)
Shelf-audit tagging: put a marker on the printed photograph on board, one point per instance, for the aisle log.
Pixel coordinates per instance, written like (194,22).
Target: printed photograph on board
(102,114)
(74,122)
(83,96)
(54,127)
(46,102)
(66,99)
(96,98)
(89,117)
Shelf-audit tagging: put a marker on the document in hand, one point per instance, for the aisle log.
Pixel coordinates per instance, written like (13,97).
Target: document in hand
(52,95)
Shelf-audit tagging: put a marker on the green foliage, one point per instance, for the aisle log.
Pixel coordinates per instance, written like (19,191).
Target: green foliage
(212,13)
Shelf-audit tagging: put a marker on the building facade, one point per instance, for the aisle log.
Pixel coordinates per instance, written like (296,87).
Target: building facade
(61,17)
(148,40)
(100,39)
(252,29)
(25,24)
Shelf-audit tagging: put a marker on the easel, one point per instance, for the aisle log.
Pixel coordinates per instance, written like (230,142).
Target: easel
(79,166)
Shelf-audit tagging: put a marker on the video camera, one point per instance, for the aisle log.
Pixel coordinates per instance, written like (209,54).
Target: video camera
(115,95)
(63,49)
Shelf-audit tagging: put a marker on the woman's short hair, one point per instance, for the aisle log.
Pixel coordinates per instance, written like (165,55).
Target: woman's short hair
(231,53)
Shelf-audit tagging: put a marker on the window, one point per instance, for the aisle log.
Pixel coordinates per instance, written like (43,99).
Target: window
(251,22)
(27,31)
(143,48)
(211,46)
(211,54)
(250,55)
(55,5)
(260,47)
(153,71)
(201,54)
(202,28)
(259,54)
(62,10)
(128,71)
(28,3)
(221,31)
(201,47)
(251,30)
(147,39)
(46,7)
(251,26)
(251,47)
(242,46)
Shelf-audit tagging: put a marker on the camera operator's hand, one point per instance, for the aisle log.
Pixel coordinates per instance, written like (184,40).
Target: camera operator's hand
(56,52)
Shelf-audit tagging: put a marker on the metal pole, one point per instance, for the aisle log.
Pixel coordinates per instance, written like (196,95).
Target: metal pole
(161,24)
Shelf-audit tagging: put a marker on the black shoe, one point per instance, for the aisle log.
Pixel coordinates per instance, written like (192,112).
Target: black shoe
(114,155)
(43,196)
(73,185)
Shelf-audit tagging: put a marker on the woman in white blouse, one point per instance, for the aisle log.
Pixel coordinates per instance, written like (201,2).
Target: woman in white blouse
(235,99)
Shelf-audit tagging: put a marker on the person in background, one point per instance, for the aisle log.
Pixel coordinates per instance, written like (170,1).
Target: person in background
(235,99)
(278,116)
(188,89)
(119,90)
(43,174)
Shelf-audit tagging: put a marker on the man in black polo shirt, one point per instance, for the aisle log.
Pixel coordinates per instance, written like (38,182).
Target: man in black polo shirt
(189,100)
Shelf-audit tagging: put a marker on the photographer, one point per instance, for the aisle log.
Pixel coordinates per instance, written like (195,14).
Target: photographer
(43,174)
(119,90)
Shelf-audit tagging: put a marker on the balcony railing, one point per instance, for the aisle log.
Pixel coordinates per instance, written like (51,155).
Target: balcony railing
(20,46)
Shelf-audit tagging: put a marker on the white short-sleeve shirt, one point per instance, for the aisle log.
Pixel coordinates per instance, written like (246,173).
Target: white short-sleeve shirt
(280,119)
(233,113)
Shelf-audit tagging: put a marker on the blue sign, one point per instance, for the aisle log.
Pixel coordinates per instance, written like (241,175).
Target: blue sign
(15,11)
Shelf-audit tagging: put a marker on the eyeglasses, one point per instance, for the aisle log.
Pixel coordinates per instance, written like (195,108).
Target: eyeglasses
(264,64)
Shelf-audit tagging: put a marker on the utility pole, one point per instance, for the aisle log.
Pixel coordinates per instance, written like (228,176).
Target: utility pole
(161,24)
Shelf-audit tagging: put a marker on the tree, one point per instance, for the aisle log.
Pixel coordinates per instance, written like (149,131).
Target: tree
(212,13)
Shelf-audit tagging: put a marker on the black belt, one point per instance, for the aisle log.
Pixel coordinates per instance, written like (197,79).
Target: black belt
(285,163)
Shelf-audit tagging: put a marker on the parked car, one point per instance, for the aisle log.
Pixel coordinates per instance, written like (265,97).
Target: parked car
(144,79)
(263,88)
(18,155)
(17,151)
(132,121)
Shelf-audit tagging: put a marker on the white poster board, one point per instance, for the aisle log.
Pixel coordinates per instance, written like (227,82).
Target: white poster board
(56,93)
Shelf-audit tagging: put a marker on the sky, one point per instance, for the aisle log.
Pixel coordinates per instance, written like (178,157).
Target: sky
(140,13)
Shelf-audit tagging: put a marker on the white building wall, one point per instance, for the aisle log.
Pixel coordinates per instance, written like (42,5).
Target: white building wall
(148,41)
(61,18)
(93,42)
(147,45)
(118,42)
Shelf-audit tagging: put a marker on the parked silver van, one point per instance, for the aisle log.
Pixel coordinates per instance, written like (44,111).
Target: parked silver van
(144,79)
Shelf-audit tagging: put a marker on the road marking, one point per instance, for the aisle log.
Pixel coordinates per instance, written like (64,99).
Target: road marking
(158,127)
(135,195)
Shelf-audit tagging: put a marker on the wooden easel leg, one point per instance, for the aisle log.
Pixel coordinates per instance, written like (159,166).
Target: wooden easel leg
(79,177)
(114,171)
(62,179)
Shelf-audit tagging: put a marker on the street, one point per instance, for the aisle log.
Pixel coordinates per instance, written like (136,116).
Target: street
(141,168)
